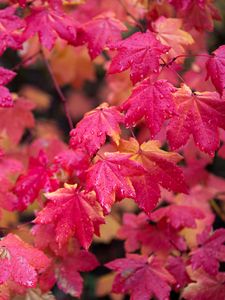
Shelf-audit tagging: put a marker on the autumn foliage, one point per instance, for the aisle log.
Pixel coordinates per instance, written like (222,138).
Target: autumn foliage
(121,147)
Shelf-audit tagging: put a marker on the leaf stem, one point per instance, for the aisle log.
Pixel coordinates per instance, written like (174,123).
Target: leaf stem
(58,89)
(217,209)
(139,25)
(27,59)
(169,66)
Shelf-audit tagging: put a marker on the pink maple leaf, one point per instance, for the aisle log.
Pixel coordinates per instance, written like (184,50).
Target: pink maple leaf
(67,271)
(131,229)
(20,262)
(100,31)
(210,252)
(141,277)
(179,216)
(205,287)
(176,266)
(216,68)
(14,120)
(10,25)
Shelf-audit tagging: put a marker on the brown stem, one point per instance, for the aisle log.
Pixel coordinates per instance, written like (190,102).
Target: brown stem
(20,64)
(189,55)
(58,89)
(169,66)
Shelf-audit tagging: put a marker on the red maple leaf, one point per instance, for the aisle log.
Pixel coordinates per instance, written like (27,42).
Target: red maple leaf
(38,177)
(140,52)
(153,101)
(210,253)
(6,76)
(176,266)
(216,68)
(5,97)
(199,114)
(67,271)
(131,229)
(160,238)
(179,216)
(139,231)
(205,287)
(10,25)
(74,213)
(198,13)
(20,262)
(44,238)
(100,31)
(14,120)
(141,277)
(90,133)
(160,169)
(109,178)
(73,161)
(50,24)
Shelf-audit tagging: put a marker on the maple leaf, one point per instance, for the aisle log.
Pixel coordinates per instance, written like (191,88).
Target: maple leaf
(10,25)
(160,169)
(6,76)
(176,266)
(5,97)
(73,212)
(160,238)
(131,229)
(169,33)
(44,238)
(153,101)
(50,24)
(140,52)
(20,262)
(139,231)
(142,277)
(39,177)
(199,114)
(73,161)
(216,68)
(109,178)
(14,120)
(90,133)
(205,287)
(179,216)
(100,31)
(67,271)
(198,13)
(210,253)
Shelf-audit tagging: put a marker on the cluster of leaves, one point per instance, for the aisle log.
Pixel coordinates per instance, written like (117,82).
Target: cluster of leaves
(157,113)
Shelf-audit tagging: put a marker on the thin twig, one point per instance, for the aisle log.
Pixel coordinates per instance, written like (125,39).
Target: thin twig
(132,17)
(217,209)
(27,59)
(58,89)
(169,66)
